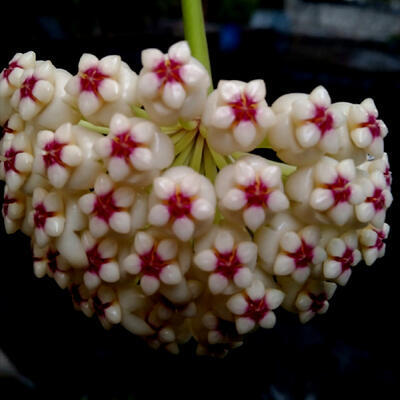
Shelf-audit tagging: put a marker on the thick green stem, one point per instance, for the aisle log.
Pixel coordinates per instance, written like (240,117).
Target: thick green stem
(195,34)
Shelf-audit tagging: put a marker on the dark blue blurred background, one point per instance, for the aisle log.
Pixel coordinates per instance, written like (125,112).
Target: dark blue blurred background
(350,47)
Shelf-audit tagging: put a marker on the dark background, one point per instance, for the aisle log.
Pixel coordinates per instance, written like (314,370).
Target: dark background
(350,352)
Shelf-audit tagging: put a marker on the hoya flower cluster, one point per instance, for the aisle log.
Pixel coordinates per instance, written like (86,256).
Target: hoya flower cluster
(142,200)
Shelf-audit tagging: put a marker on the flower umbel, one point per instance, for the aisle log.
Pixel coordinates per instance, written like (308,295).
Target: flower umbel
(140,195)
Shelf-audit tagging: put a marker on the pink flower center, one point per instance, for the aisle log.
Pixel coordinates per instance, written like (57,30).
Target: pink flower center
(168,71)
(377,199)
(346,260)
(53,151)
(123,145)
(322,119)
(244,109)
(388,176)
(105,207)
(379,243)
(257,194)
(91,79)
(228,264)
(256,309)
(303,256)
(9,163)
(27,88)
(179,205)
(7,71)
(340,189)
(372,125)
(100,307)
(6,202)
(318,301)
(40,216)
(95,259)
(151,263)
(52,260)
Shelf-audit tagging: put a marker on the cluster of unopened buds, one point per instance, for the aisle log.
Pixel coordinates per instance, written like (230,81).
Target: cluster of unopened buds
(142,199)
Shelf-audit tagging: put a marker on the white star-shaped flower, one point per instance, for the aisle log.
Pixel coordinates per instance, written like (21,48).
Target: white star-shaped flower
(172,85)
(102,88)
(56,154)
(307,127)
(134,146)
(342,255)
(366,131)
(108,207)
(237,116)
(183,200)
(249,190)
(254,306)
(229,257)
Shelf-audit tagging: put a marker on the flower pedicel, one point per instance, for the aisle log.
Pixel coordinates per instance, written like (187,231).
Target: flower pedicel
(161,220)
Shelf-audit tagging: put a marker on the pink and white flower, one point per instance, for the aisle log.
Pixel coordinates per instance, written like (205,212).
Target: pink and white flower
(372,242)
(47,215)
(12,127)
(48,261)
(80,297)
(330,187)
(35,90)
(102,88)
(315,123)
(155,259)
(13,209)
(106,306)
(307,127)
(11,75)
(249,190)
(183,200)
(268,238)
(228,256)
(56,154)
(16,160)
(314,299)
(378,199)
(102,260)
(108,207)
(366,131)
(300,253)
(10,78)
(254,306)
(172,85)
(134,146)
(237,116)
(342,255)
(84,175)
(41,98)
(382,165)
